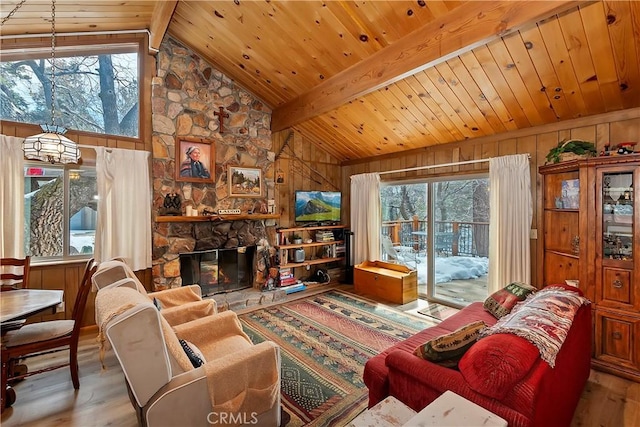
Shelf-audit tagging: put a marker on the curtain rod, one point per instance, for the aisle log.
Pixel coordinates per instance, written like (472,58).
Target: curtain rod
(467,162)
(93,147)
(74,34)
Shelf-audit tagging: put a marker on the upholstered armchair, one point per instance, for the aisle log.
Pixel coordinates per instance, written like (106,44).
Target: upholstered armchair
(178,305)
(202,372)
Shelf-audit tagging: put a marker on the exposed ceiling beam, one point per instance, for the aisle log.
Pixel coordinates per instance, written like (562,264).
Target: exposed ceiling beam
(160,19)
(461,30)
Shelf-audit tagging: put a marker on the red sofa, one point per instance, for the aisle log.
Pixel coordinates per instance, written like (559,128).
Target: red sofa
(502,373)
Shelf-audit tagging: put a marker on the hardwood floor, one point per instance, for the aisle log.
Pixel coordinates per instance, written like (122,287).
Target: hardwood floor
(49,399)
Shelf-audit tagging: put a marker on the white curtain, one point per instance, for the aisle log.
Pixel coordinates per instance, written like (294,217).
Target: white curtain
(124,206)
(511,211)
(365,217)
(11,197)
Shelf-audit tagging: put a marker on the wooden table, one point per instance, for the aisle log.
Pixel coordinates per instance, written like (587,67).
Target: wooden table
(17,305)
(23,303)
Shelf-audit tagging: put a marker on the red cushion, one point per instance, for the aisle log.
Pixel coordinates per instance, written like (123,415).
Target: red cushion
(471,313)
(494,364)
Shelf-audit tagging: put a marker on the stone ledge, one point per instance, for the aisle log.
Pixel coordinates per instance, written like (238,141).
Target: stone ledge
(247,298)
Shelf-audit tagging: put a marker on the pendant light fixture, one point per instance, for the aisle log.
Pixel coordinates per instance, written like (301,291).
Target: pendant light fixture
(51,145)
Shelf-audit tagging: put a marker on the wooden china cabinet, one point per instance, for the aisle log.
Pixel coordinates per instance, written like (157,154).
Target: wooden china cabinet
(591,234)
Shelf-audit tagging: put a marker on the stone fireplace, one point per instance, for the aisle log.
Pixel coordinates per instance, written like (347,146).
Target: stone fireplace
(239,250)
(186,94)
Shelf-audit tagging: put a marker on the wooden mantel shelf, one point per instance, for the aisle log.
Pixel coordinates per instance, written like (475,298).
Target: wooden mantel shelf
(241,217)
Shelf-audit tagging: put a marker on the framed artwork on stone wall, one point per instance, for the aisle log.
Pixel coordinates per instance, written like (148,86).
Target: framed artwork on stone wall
(245,181)
(195,160)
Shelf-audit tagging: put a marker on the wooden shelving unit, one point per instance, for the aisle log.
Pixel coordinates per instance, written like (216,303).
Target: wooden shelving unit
(285,235)
(311,262)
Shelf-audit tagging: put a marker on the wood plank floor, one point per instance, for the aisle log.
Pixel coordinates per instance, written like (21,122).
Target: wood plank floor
(49,399)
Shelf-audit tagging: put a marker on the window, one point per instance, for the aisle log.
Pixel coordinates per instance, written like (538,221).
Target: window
(60,204)
(96,88)
(440,227)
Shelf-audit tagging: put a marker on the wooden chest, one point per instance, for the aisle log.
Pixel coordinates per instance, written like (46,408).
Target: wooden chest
(392,282)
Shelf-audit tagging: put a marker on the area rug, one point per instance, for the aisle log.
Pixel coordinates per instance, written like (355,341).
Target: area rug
(325,341)
(438,311)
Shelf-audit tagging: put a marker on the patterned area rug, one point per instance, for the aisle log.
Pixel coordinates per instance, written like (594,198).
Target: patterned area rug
(438,311)
(325,341)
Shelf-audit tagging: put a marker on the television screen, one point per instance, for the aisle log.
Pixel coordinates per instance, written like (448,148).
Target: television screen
(318,206)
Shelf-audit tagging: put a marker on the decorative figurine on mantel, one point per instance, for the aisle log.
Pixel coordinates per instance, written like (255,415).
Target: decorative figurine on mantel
(172,204)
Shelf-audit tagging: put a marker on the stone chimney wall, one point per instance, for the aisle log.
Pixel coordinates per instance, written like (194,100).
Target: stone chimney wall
(185,95)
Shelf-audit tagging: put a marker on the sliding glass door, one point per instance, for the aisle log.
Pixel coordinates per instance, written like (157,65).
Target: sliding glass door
(440,227)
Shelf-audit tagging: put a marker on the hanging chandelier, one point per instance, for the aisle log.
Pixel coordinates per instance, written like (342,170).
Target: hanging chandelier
(51,145)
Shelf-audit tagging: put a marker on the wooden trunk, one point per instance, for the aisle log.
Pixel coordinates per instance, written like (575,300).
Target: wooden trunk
(392,282)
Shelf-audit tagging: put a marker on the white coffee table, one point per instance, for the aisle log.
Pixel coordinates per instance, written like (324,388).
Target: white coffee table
(389,412)
(452,410)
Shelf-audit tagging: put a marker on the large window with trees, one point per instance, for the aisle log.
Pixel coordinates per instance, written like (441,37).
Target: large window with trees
(440,227)
(97,87)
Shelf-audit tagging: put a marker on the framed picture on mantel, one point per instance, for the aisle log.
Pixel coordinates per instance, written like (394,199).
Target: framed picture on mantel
(195,160)
(245,181)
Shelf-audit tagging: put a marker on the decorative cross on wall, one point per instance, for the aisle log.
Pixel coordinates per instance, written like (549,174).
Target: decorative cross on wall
(221,116)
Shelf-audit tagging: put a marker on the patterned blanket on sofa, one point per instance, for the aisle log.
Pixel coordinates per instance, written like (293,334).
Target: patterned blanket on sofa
(543,319)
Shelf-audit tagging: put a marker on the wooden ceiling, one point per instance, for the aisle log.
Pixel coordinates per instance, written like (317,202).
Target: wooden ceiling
(367,78)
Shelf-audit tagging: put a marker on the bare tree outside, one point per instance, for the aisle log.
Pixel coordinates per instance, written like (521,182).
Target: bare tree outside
(45,216)
(461,204)
(94,93)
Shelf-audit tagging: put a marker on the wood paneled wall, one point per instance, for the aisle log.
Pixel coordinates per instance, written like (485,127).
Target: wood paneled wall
(611,128)
(304,166)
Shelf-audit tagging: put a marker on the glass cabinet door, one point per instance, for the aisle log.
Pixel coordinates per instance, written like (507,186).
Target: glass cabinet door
(617,215)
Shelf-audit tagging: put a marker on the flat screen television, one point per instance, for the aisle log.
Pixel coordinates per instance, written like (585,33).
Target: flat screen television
(317,206)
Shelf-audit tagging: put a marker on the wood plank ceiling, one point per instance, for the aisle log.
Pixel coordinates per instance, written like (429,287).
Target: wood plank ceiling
(367,78)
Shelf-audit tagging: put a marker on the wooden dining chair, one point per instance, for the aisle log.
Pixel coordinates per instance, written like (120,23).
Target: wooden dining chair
(40,338)
(11,279)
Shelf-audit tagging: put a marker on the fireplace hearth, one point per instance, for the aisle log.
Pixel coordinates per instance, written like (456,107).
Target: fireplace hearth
(218,270)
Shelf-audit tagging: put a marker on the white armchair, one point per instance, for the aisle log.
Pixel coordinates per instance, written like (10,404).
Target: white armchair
(238,382)
(178,305)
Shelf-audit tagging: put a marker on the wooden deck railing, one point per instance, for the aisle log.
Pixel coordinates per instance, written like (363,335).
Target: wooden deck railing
(452,237)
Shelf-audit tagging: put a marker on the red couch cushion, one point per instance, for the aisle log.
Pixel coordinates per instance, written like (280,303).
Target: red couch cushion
(495,364)
(471,313)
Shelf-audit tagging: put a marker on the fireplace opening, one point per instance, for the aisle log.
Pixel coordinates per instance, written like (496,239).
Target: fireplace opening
(218,270)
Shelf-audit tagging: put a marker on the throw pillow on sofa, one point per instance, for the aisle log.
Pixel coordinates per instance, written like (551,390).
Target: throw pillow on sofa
(502,301)
(446,350)
(193,353)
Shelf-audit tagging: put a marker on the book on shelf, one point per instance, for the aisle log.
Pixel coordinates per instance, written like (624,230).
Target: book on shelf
(297,287)
(284,272)
(324,236)
(288,281)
